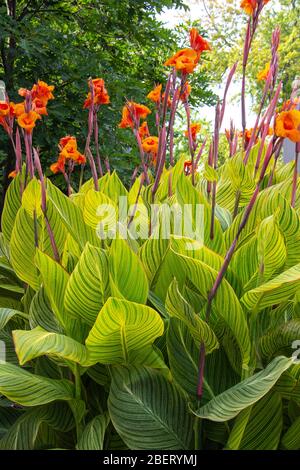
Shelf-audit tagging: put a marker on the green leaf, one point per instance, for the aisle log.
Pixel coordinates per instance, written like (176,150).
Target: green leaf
(31,198)
(151,254)
(23,434)
(7,314)
(71,216)
(41,314)
(275,291)
(88,287)
(199,219)
(280,339)
(231,402)
(210,174)
(30,344)
(259,426)
(100,213)
(179,308)
(202,278)
(127,277)
(124,333)
(12,204)
(291,439)
(55,280)
(93,434)
(22,249)
(142,405)
(28,389)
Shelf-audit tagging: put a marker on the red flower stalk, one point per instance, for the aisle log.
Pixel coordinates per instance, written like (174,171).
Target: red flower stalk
(37,164)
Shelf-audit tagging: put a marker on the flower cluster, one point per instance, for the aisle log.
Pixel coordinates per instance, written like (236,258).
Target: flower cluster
(186,60)
(100,94)
(250,6)
(28,111)
(68,152)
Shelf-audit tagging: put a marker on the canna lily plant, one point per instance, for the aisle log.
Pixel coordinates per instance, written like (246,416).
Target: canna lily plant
(164,315)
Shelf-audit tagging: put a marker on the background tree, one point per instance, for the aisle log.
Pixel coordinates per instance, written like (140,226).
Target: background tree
(225,24)
(64,43)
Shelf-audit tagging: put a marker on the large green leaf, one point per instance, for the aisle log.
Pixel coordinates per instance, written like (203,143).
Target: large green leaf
(124,333)
(231,402)
(275,291)
(148,411)
(30,344)
(28,389)
(88,286)
(127,276)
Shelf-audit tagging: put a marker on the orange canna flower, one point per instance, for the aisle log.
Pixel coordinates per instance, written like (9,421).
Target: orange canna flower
(12,174)
(195,128)
(150,145)
(288,125)
(185,92)
(39,106)
(4,108)
(64,140)
(144,130)
(58,166)
(133,111)
(185,60)
(17,109)
(263,75)
(27,120)
(155,94)
(43,91)
(100,94)
(249,6)
(198,43)
(69,151)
